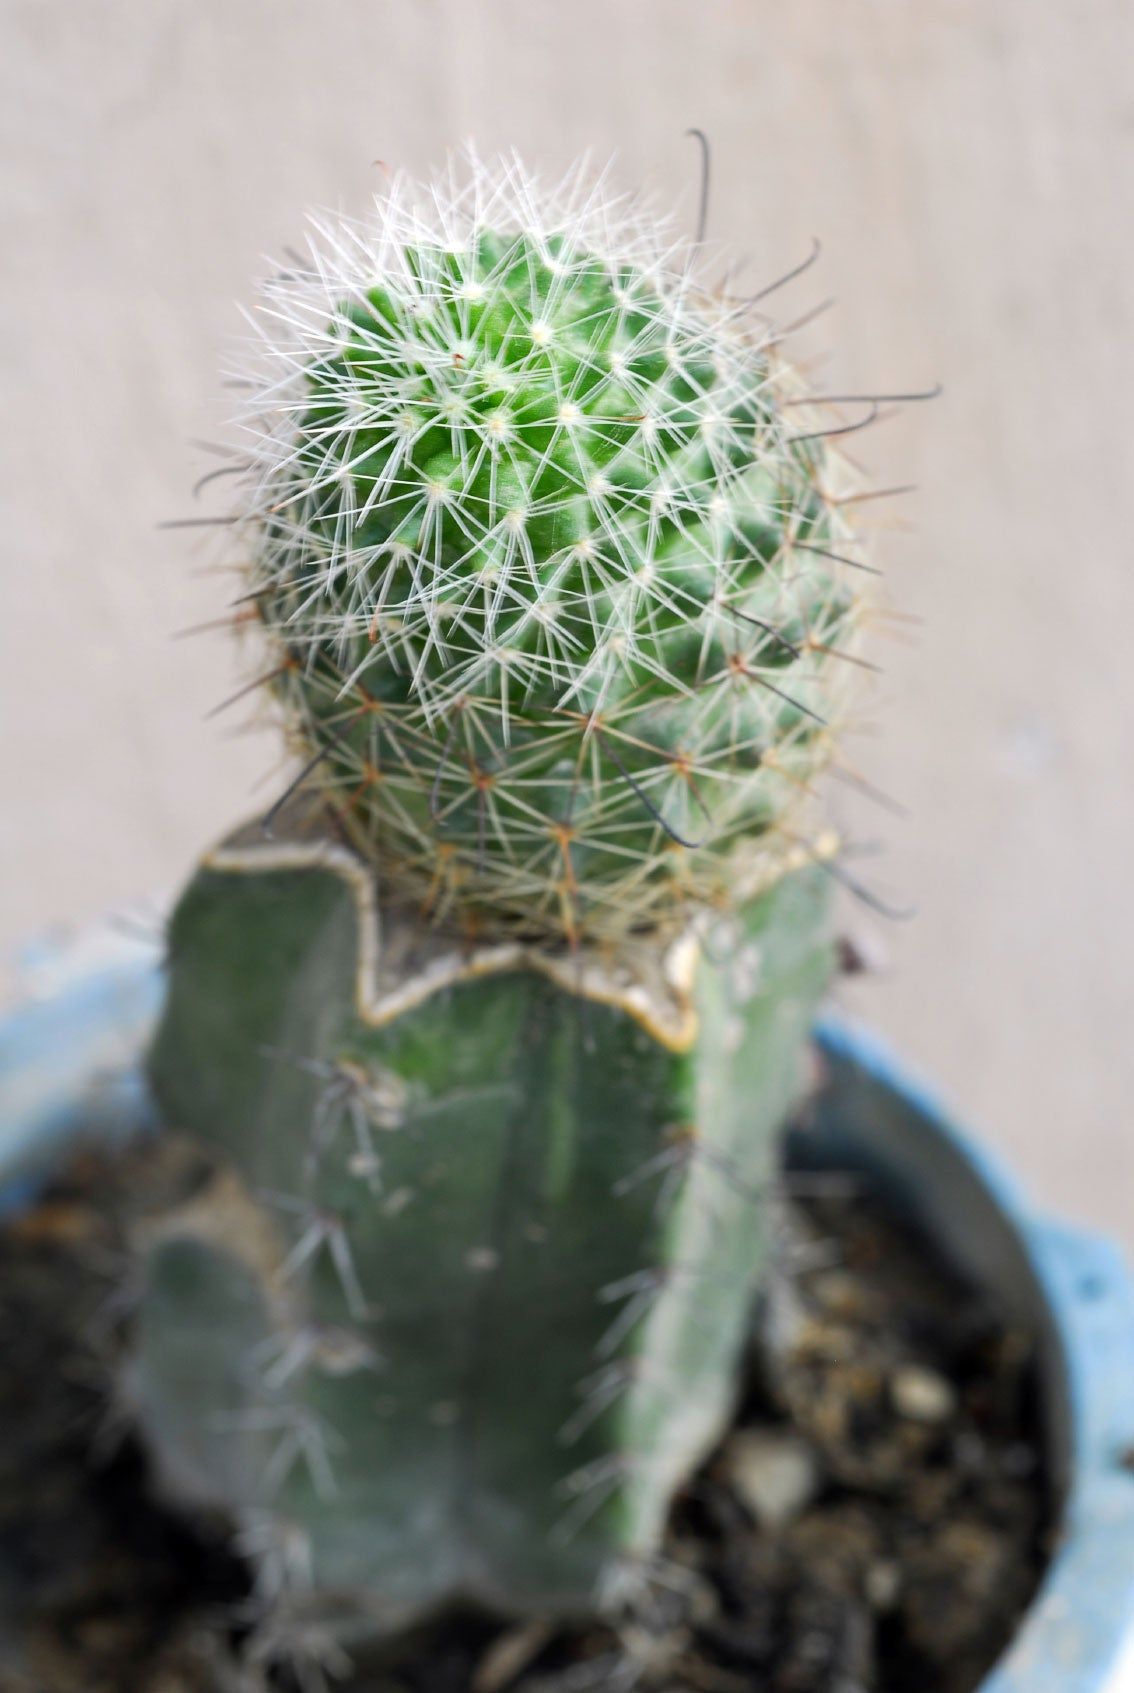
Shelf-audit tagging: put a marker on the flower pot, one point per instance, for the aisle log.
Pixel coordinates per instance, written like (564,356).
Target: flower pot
(69,1062)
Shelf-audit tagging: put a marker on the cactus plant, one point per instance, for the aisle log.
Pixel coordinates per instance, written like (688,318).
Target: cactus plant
(490,1025)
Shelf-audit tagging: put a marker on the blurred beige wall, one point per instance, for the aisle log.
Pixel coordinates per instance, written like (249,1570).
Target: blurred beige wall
(968,164)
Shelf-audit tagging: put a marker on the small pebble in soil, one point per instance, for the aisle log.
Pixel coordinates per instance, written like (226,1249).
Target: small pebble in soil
(774,1472)
(922,1395)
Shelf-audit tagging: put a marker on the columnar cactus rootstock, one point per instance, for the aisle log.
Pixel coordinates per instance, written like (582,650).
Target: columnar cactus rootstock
(491,1037)
(474,1310)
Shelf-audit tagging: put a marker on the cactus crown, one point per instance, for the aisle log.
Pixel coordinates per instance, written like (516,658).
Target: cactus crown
(545,561)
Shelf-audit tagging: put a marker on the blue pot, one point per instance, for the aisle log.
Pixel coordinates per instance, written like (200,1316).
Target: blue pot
(71,1061)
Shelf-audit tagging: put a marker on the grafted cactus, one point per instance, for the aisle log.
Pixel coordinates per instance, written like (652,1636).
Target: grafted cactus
(490,1026)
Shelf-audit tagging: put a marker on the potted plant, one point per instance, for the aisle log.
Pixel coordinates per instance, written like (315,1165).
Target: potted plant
(462,1261)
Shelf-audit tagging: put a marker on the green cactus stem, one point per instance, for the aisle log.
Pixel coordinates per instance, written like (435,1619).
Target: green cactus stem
(465,1303)
(489,1026)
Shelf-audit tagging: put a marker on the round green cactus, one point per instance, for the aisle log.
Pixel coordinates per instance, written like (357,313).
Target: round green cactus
(548,561)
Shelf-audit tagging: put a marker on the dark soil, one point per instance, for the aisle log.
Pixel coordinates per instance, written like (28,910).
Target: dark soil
(876,1525)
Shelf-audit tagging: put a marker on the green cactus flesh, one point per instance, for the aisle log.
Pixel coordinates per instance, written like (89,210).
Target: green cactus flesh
(552,569)
(554,566)
(465,1302)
